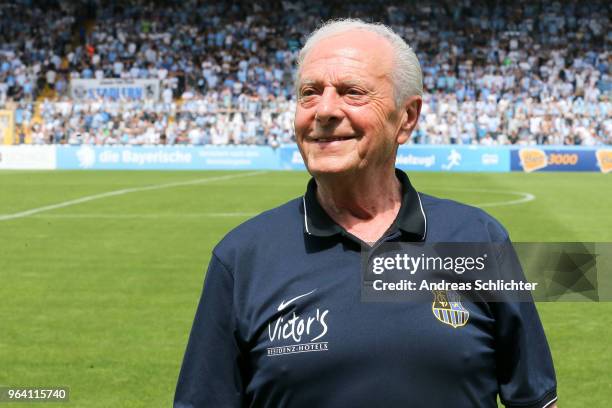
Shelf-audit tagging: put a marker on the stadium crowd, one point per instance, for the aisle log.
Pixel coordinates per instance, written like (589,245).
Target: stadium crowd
(494,72)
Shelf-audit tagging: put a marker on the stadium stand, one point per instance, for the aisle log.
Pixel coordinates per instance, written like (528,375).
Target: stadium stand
(494,72)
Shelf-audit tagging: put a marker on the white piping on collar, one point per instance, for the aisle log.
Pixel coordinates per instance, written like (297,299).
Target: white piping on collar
(549,402)
(424,216)
(420,205)
(305,216)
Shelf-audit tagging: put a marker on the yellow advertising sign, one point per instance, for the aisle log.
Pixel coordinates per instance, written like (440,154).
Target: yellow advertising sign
(7,126)
(533,159)
(604,159)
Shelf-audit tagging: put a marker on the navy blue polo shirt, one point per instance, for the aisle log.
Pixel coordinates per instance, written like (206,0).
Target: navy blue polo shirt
(281,324)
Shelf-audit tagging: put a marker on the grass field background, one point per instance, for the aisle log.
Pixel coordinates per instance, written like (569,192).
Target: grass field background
(99,295)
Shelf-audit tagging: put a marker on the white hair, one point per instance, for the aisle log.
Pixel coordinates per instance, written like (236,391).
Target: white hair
(406,76)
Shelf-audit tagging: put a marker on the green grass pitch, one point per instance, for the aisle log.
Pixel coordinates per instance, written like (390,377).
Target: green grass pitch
(98,294)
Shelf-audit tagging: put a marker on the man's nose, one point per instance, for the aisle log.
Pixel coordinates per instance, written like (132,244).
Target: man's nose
(328,109)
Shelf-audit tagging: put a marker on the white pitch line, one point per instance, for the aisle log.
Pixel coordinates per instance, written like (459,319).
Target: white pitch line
(19,172)
(27,213)
(525,197)
(149,216)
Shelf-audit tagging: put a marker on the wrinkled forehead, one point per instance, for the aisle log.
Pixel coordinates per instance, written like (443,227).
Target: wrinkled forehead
(351,51)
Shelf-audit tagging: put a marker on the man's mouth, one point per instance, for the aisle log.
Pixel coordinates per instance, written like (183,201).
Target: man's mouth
(330,139)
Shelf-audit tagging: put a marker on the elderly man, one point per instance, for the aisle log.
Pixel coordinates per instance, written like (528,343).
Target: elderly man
(280,322)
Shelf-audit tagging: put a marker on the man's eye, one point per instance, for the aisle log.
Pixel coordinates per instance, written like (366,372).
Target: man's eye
(354,92)
(307,92)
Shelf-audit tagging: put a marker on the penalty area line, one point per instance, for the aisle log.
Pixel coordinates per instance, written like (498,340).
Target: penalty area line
(115,193)
(524,196)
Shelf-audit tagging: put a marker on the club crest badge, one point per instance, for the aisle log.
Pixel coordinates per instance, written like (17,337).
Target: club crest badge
(448,309)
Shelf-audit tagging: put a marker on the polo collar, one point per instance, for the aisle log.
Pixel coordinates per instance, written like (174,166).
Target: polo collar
(410,219)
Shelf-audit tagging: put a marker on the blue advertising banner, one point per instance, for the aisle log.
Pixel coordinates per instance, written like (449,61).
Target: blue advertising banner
(290,158)
(539,158)
(166,157)
(453,158)
(427,158)
(237,157)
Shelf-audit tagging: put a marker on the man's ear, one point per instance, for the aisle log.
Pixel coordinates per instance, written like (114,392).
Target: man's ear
(411,111)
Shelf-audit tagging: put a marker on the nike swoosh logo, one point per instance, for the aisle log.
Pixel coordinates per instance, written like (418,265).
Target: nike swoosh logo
(284,304)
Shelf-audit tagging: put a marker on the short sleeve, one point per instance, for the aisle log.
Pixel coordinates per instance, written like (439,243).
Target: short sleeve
(525,370)
(211,372)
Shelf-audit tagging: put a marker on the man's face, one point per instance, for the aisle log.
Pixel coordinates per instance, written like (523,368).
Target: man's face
(346,119)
